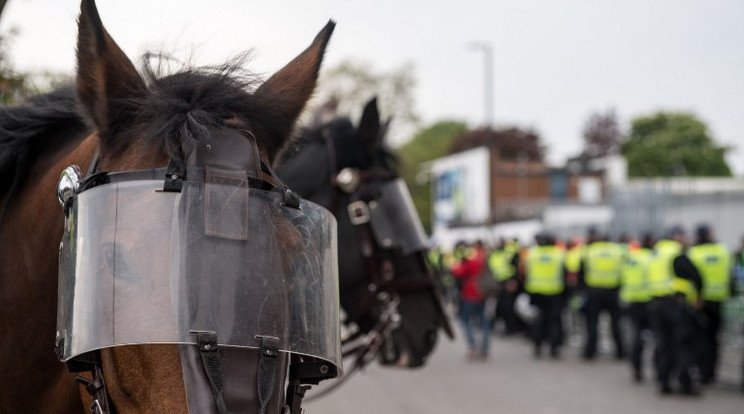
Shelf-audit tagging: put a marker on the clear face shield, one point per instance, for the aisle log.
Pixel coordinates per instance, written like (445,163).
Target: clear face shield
(394,220)
(142,266)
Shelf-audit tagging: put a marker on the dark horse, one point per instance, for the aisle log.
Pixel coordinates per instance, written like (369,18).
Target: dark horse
(386,288)
(130,124)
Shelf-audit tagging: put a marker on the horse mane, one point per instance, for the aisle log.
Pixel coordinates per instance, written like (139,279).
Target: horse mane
(349,151)
(41,125)
(174,109)
(180,107)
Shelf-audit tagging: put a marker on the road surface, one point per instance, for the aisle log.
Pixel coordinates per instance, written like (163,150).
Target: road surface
(512,381)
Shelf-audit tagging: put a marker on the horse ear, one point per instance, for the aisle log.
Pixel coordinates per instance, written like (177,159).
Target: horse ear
(369,126)
(286,92)
(105,76)
(384,128)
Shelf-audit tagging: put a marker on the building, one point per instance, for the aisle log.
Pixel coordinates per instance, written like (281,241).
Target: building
(479,195)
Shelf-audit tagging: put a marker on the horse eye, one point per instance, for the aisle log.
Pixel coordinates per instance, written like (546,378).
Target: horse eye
(115,262)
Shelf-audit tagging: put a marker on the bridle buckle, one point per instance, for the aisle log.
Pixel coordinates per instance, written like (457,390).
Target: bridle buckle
(358,212)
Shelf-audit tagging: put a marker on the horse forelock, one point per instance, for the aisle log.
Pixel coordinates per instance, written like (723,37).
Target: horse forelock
(181,107)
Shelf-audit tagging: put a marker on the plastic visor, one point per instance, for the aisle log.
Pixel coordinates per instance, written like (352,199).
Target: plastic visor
(394,220)
(142,266)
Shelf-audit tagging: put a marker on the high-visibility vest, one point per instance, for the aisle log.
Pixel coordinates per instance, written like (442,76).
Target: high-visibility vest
(573,259)
(603,265)
(545,270)
(500,262)
(660,270)
(634,286)
(434,258)
(686,288)
(496,264)
(713,262)
(662,279)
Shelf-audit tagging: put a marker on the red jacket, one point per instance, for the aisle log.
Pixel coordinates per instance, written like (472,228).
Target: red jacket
(468,271)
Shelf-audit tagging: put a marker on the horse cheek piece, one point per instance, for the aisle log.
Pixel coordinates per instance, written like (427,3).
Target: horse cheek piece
(209,255)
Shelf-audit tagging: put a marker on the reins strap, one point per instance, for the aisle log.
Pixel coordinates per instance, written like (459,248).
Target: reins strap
(210,356)
(266,370)
(97,390)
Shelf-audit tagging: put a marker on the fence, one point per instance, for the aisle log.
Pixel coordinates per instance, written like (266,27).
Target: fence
(656,205)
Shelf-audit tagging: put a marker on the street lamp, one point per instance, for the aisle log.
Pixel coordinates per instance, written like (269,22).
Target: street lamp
(485,47)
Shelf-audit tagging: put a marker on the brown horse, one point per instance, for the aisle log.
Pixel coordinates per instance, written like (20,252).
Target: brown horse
(131,124)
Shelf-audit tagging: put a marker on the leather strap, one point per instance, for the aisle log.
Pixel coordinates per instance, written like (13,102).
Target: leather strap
(96,389)
(266,370)
(207,344)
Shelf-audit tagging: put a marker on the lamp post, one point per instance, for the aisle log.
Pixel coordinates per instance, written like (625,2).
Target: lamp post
(485,47)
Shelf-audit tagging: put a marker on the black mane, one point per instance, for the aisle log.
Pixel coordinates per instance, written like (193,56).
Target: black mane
(42,125)
(174,109)
(181,107)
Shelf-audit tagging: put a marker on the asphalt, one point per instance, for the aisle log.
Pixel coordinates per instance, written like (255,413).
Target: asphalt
(511,380)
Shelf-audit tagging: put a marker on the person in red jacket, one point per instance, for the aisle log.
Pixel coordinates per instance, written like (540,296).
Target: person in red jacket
(472,302)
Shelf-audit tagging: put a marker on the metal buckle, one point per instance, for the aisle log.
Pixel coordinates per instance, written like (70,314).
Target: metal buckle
(68,186)
(358,213)
(96,408)
(348,180)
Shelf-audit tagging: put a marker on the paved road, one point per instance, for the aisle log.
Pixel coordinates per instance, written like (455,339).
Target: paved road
(511,381)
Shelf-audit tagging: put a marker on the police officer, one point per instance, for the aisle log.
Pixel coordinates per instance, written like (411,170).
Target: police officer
(545,282)
(712,260)
(634,292)
(600,275)
(675,286)
(504,263)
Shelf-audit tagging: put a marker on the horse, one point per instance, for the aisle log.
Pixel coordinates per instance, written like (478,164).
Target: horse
(387,291)
(116,124)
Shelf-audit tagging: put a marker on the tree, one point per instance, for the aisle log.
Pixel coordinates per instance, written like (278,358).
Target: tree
(428,144)
(345,88)
(673,144)
(511,143)
(602,135)
(13,85)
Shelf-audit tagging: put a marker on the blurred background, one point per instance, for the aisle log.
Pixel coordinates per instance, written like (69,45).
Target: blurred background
(509,118)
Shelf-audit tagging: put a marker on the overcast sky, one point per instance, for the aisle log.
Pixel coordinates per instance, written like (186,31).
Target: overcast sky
(555,61)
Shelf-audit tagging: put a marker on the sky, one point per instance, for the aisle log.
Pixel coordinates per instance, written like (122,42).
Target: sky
(555,61)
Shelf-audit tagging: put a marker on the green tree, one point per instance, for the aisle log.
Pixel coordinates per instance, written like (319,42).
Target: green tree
(428,144)
(13,85)
(673,144)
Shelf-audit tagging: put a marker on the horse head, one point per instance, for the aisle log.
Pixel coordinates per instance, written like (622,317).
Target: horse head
(386,288)
(185,265)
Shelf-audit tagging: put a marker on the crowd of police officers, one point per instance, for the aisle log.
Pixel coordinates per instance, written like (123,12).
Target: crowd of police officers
(670,287)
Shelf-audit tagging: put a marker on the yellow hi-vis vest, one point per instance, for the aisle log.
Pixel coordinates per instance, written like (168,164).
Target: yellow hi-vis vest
(545,270)
(660,270)
(662,279)
(573,259)
(634,277)
(713,262)
(603,264)
(496,264)
(500,262)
